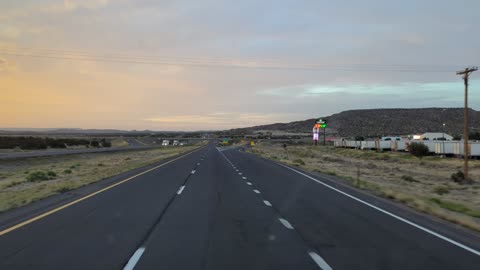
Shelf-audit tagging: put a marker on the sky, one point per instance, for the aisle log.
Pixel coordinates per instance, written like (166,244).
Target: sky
(212,65)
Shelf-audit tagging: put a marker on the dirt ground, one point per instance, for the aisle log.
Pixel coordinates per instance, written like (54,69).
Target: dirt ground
(422,183)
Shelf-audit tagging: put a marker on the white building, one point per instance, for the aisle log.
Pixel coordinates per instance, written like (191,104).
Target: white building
(435,136)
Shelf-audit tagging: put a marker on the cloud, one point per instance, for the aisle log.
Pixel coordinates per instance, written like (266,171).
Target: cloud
(217,120)
(9,32)
(72,5)
(299,91)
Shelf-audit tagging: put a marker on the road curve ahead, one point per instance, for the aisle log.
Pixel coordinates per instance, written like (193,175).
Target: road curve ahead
(214,209)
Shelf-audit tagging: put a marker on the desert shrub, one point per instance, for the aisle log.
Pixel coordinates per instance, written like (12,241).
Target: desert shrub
(299,161)
(94,144)
(67,171)
(441,190)
(51,174)
(100,164)
(418,149)
(37,176)
(408,178)
(458,177)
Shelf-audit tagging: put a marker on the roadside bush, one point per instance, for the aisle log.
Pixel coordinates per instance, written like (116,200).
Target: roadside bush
(441,190)
(408,178)
(94,144)
(100,164)
(418,149)
(67,171)
(106,144)
(51,174)
(37,176)
(299,161)
(458,177)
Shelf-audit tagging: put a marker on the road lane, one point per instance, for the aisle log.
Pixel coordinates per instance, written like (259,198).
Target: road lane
(101,232)
(338,227)
(219,222)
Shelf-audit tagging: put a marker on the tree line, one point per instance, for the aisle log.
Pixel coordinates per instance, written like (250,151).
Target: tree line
(35,143)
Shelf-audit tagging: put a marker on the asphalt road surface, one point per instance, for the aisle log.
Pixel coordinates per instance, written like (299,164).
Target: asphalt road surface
(214,209)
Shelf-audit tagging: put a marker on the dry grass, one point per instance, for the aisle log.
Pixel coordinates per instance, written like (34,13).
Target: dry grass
(72,171)
(424,184)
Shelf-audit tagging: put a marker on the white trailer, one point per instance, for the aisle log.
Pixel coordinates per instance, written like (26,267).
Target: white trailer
(368,145)
(383,145)
(429,144)
(339,143)
(400,145)
(473,149)
(353,144)
(445,147)
(165,142)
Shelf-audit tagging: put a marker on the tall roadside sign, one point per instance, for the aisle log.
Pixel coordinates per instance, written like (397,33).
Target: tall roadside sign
(319,124)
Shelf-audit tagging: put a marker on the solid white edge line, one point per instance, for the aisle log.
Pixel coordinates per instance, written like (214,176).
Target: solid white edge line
(451,241)
(286,223)
(256,191)
(267,203)
(134,259)
(320,261)
(180,190)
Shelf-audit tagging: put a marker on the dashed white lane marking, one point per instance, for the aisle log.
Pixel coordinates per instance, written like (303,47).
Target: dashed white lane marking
(198,164)
(451,241)
(244,178)
(320,261)
(249,183)
(286,223)
(256,191)
(134,259)
(267,203)
(193,172)
(180,190)
(240,173)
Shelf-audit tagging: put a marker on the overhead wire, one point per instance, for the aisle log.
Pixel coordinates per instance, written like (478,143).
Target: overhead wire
(214,62)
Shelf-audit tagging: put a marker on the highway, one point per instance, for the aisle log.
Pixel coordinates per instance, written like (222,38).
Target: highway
(227,209)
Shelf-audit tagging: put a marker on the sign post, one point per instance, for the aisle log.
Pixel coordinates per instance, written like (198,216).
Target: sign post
(320,124)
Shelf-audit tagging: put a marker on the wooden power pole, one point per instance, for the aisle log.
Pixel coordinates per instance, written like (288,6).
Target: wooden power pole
(466,73)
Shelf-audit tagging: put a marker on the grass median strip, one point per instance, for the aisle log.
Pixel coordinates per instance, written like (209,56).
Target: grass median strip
(23,181)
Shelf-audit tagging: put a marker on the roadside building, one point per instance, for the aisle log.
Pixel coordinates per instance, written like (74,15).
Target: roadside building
(432,136)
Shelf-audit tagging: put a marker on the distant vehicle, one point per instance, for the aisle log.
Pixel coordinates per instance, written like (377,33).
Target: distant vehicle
(165,142)
(175,143)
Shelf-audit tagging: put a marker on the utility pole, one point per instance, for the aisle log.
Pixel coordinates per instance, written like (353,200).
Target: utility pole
(466,73)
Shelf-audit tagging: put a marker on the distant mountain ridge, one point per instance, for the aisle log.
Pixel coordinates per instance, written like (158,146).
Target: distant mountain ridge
(377,122)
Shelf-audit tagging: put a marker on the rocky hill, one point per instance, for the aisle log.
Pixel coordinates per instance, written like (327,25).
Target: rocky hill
(375,122)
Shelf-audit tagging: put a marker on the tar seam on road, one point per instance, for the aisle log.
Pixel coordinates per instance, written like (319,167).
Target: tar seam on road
(451,241)
(153,227)
(28,221)
(134,259)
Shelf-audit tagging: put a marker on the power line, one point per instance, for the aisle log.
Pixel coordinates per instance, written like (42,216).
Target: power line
(214,63)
